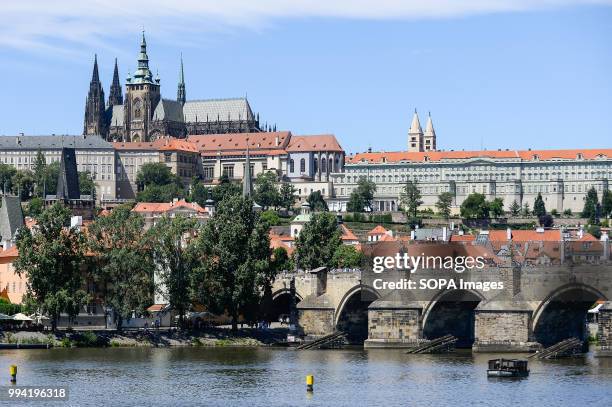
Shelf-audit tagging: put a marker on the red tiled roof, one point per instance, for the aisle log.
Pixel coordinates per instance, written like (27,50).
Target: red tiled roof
(323,142)
(462,238)
(179,145)
(347,234)
(10,253)
(547,235)
(137,145)
(157,307)
(238,141)
(378,230)
(166,206)
(528,155)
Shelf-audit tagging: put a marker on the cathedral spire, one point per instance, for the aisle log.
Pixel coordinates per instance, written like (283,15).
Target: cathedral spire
(115,97)
(429,129)
(180,94)
(94,106)
(143,73)
(94,76)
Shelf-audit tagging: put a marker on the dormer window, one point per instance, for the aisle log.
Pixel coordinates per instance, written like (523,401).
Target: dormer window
(579,156)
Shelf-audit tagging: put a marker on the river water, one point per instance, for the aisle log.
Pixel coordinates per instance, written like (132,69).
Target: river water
(276,377)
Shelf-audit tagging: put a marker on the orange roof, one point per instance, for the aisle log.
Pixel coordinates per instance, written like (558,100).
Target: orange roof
(323,142)
(587,237)
(527,155)
(276,242)
(238,141)
(10,253)
(157,307)
(179,145)
(166,206)
(462,238)
(378,230)
(347,234)
(548,235)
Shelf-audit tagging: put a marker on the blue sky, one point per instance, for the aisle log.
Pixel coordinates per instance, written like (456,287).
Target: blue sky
(532,77)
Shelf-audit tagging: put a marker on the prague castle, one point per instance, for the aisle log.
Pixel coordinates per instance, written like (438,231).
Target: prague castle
(144,115)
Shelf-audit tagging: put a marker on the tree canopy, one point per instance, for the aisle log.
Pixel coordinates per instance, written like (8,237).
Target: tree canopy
(445,200)
(475,207)
(266,194)
(51,257)
(318,241)
(410,198)
(591,206)
(316,202)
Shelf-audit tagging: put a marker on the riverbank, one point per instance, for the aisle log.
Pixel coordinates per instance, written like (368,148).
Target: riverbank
(150,338)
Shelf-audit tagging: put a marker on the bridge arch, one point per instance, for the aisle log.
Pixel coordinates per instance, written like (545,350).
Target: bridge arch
(351,315)
(281,303)
(562,314)
(452,312)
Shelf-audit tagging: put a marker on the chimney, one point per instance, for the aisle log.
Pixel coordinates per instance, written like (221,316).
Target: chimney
(508,234)
(318,281)
(581,232)
(605,241)
(444,233)
(412,235)
(277,141)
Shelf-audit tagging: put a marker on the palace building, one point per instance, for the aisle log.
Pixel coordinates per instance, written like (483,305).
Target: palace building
(144,115)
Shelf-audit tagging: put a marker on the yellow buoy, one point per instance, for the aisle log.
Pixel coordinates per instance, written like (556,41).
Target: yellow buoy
(13,371)
(309,382)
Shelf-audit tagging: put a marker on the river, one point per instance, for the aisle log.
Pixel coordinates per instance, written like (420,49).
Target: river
(225,376)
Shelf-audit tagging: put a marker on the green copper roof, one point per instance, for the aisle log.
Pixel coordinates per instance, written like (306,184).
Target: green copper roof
(143,73)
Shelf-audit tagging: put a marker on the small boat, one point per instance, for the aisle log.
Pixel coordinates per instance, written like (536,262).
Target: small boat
(507,368)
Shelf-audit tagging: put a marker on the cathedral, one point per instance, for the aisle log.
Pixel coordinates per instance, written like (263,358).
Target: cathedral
(143,115)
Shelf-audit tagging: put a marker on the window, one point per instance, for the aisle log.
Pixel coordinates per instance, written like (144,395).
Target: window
(209,172)
(291,165)
(228,170)
(302,165)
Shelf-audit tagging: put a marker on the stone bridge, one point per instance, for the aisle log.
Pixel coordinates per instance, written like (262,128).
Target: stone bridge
(538,306)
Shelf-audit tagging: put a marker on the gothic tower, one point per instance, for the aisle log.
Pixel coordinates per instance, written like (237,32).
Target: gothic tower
(415,134)
(429,138)
(94,106)
(115,97)
(181,97)
(141,97)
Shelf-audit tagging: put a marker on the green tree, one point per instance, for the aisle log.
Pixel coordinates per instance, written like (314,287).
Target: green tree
(86,184)
(123,264)
(266,194)
(155,174)
(280,260)
(475,206)
(160,193)
(7,172)
(594,230)
(568,213)
(287,196)
(591,205)
(173,257)
(199,193)
(355,203)
(51,259)
(555,213)
(224,189)
(606,203)
(233,257)
(539,209)
(347,256)
(445,200)
(515,208)
(23,184)
(270,217)
(316,202)
(35,206)
(410,198)
(7,308)
(365,189)
(318,241)
(496,207)
(526,210)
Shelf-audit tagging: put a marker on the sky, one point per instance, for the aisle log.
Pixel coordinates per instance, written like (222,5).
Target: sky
(494,74)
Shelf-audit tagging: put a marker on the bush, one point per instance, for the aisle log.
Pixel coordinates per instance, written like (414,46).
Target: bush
(9,309)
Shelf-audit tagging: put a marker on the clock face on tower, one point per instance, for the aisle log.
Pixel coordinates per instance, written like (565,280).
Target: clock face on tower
(137,109)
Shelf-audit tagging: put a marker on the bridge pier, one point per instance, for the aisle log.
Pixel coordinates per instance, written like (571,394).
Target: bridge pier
(316,312)
(604,331)
(394,322)
(504,325)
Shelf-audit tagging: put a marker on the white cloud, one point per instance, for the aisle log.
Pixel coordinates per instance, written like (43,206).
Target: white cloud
(65,25)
